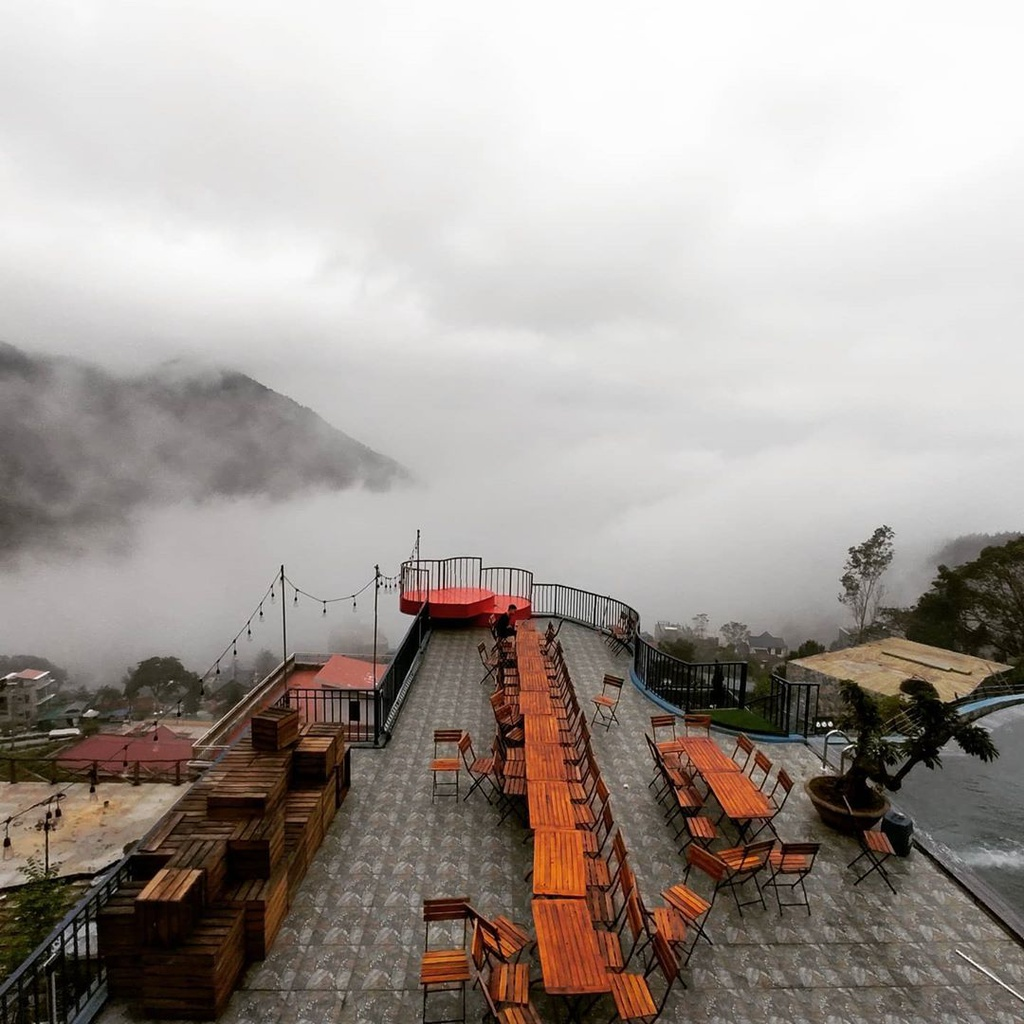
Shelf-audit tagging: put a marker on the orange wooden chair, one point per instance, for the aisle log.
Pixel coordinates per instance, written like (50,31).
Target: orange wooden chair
(444,965)
(634,1000)
(700,829)
(788,865)
(745,748)
(665,738)
(731,869)
(762,764)
(699,723)
(875,845)
(503,982)
(777,797)
(607,701)
(445,763)
(480,769)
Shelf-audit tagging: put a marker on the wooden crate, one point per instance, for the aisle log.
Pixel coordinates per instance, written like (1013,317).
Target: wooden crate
(275,728)
(169,906)
(247,793)
(195,981)
(265,904)
(208,856)
(314,760)
(118,943)
(256,847)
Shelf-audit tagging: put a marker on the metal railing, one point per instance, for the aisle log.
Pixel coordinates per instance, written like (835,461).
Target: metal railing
(690,686)
(64,981)
(368,715)
(464,572)
(792,707)
(584,607)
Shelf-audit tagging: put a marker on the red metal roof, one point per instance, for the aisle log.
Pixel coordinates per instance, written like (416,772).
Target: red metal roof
(112,749)
(344,673)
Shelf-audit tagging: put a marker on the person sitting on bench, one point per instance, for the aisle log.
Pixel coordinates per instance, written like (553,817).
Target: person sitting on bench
(505,624)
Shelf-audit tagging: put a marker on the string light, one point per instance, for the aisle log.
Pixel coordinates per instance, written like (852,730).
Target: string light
(325,607)
(273,600)
(261,611)
(248,631)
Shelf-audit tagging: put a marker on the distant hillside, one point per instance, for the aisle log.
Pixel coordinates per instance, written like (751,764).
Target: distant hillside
(81,448)
(967,547)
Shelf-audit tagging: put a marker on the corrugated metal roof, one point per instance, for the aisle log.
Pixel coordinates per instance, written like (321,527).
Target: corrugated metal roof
(881,665)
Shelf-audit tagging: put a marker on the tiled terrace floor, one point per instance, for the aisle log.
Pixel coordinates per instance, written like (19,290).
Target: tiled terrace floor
(349,950)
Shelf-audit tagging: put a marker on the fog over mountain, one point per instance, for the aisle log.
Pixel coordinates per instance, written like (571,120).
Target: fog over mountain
(671,302)
(82,450)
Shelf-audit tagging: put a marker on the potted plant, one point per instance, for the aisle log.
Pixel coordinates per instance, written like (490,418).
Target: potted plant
(855,800)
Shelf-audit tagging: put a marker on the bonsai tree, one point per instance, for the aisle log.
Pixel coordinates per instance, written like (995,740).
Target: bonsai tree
(927,725)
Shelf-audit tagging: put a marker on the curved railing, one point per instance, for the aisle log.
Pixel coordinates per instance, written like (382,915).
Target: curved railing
(464,572)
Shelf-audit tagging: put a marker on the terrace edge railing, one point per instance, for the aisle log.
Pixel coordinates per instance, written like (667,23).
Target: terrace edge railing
(792,707)
(682,684)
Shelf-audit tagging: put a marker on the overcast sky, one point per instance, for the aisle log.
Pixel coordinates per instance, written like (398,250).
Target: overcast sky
(726,286)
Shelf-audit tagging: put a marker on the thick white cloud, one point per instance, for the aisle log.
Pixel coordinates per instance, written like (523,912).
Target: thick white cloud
(741,279)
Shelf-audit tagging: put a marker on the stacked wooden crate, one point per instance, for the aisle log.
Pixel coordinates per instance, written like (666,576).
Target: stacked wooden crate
(214,881)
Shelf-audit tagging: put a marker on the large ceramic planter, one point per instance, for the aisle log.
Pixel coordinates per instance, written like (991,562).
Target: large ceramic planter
(833,812)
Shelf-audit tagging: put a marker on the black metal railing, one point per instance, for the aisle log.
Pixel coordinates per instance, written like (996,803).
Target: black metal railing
(367,714)
(791,707)
(64,980)
(588,609)
(690,686)
(422,577)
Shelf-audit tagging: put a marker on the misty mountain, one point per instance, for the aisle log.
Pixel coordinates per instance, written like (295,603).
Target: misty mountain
(82,449)
(967,547)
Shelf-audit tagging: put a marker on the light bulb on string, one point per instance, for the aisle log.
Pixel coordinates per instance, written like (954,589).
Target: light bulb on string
(273,600)
(261,611)
(353,604)
(217,673)
(296,601)
(325,607)
(8,852)
(248,632)
(234,648)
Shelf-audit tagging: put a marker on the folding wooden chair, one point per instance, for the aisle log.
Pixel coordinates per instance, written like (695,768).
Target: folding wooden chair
(607,701)
(777,800)
(745,747)
(699,829)
(875,845)
(445,763)
(511,789)
(444,966)
(792,861)
(480,769)
(633,998)
(620,636)
(503,982)
(762,764)
(731,869)
(665,739)
(694,909)
(699,723)
(490,659)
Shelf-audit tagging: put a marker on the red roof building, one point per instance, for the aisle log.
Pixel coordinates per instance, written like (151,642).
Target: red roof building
(153,747)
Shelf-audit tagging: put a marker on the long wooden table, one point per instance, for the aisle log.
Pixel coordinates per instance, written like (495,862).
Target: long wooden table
(570,955)
(540,729)
(550,804)
(545,762)
(559,864)
(706,755)
(739,798)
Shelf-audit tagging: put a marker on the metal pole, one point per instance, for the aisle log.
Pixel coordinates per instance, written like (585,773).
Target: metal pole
(376,592)
(284,621)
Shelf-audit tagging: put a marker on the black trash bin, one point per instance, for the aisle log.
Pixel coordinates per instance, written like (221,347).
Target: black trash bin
(900,830)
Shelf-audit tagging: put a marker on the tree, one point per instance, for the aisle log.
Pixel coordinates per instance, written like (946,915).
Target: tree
(927,723)
(806,650)
(265,663)
(866,563)
(167,679)
(976,606)
(700,625)
(684,650)
(735,633)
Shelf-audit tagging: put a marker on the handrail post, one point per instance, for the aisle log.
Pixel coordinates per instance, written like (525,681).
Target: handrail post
(743,684)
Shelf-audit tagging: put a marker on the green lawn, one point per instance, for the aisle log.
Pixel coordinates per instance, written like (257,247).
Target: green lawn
(742,720)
